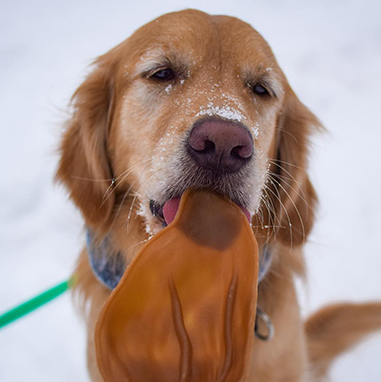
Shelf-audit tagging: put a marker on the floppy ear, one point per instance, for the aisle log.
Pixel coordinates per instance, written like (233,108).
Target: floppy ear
(84,167)
(297,200)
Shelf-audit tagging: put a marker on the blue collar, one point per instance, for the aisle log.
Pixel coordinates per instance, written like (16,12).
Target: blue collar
(108,266)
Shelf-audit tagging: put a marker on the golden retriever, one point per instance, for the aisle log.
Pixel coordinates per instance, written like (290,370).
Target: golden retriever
(193,100)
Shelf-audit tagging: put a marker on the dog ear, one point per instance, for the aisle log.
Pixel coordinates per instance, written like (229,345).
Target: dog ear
(84,167)
(296,200)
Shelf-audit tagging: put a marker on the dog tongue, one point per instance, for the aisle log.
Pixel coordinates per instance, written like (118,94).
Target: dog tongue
(171,207)
(184,309)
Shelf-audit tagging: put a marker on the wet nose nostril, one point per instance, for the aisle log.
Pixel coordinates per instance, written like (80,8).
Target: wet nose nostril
(209,147)
(240,152)
(244,152)
(220,145)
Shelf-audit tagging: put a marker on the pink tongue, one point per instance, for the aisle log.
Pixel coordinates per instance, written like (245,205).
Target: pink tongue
(170,209)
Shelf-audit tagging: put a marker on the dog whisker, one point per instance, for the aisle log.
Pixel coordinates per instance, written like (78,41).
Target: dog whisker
(121,204)
(287,172)
(282,177)
(272,213)
(287,132)
(260,215)
(136,245)
(92,180)
(135,197)
(285,210)
(273,161)
(296,208)
(117,181)
(269,215)
(303,196)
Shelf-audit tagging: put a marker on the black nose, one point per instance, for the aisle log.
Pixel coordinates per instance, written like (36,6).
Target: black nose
(220,146)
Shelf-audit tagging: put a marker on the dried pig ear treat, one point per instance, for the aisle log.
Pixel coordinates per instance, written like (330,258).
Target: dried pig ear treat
(185,307)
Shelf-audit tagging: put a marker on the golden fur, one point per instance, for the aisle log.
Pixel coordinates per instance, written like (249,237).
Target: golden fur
(127,127)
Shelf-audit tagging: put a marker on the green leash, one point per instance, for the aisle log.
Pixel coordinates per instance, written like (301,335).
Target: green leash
(34,303)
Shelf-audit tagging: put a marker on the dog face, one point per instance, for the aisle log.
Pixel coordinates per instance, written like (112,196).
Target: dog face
(192,87)
(190,100)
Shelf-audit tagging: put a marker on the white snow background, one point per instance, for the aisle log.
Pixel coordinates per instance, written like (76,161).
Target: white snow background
(331,52)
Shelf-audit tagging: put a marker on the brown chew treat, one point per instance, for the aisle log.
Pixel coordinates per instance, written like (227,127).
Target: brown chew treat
(185,307)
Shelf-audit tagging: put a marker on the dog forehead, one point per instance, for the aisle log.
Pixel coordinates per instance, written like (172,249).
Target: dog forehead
(200,36)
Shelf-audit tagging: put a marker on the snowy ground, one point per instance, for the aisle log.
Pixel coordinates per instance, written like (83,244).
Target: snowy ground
(331,53)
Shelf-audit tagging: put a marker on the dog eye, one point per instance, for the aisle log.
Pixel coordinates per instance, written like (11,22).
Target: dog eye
(165,74)
(260,90)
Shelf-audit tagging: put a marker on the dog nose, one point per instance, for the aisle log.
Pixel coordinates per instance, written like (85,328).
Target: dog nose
(219,145)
